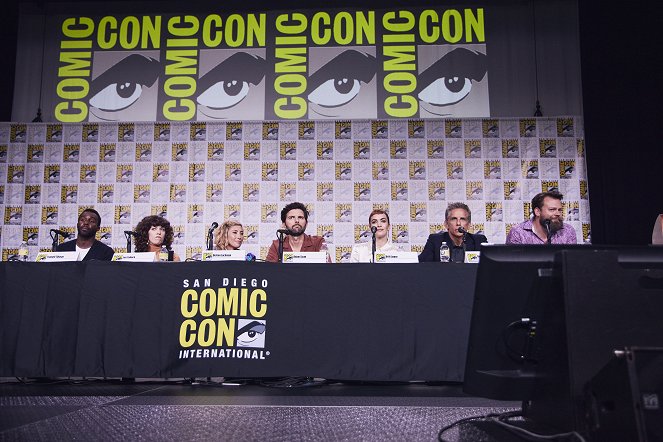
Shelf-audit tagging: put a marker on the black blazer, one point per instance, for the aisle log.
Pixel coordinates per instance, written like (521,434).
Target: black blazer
(431,251)
(98,251)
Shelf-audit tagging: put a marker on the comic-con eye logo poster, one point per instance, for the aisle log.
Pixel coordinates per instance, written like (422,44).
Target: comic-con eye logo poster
(316,64)
(228,321)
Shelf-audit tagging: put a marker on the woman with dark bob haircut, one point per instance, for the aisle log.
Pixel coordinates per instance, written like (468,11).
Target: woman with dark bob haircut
(152,232)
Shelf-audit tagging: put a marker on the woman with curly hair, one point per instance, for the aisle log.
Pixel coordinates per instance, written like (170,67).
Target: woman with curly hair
(229,236)
(152,232)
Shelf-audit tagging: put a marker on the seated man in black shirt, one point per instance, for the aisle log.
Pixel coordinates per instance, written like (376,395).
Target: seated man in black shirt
(87,246)
(457,221)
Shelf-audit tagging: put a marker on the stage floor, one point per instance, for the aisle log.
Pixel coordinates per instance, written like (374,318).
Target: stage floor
(149,409)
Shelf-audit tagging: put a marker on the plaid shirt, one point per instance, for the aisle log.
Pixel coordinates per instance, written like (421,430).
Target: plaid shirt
(523,234)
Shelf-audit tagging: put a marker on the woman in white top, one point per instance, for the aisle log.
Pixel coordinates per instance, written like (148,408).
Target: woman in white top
(362,252)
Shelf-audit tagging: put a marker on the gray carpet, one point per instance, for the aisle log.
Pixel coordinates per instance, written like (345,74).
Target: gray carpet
(107,410)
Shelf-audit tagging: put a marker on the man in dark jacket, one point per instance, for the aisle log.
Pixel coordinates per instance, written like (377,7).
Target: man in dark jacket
(87,246)
(457,222)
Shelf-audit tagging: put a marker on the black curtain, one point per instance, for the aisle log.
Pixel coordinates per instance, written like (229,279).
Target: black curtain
(8,38)
(621,75)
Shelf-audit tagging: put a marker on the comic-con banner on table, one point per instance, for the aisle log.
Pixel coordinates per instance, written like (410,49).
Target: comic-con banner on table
(235,319)
(291,65)
(196,173)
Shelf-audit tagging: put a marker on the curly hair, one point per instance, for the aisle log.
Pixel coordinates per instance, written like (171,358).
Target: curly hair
(141,238)
(221,234)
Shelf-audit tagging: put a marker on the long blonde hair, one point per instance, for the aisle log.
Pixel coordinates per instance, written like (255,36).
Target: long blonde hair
(221,234)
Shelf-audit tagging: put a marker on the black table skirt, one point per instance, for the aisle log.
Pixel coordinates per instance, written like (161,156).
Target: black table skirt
(374,322)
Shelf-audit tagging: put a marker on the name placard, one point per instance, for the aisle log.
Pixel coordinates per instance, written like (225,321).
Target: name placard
(134,257)
(56,256)
(472,256)
(224,255)
(304,257)
(396,257)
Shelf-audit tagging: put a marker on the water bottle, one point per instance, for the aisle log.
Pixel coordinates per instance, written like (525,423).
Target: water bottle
(445,255)
(163,254)
(23,251)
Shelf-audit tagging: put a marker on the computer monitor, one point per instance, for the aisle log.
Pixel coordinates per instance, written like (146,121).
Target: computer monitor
(610,299)
(501,351)
(519,290)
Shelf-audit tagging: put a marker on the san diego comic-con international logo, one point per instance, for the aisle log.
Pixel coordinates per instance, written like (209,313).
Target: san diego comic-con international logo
(223,322)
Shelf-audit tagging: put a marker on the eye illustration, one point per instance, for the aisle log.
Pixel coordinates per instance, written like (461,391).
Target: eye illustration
(449,80)
(228,83)
(249,333)
(339,81)
(122,85)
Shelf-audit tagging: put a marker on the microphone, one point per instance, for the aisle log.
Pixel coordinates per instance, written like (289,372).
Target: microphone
(284,231)
(57,232)
(210,235)
(546,224)
(130,233)
(374,229)
(462,230)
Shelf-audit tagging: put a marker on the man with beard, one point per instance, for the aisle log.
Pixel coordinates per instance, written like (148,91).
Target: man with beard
(547,226)
(85,244)
(294,217)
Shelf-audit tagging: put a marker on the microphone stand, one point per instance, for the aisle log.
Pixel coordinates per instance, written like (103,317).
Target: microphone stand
(373,246)
(463,239)
(128,242)
(547,226)
(281,239)
(210,236)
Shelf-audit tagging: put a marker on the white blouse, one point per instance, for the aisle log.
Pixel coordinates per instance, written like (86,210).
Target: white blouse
(362,252)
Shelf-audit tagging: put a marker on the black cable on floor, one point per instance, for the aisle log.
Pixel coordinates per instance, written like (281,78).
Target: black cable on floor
(463,420)
(502,420)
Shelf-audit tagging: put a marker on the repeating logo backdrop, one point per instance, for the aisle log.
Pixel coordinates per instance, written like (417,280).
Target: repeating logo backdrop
(195,173)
